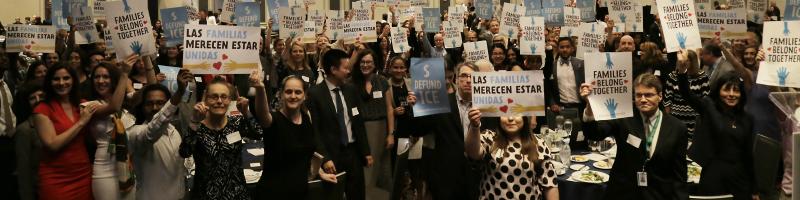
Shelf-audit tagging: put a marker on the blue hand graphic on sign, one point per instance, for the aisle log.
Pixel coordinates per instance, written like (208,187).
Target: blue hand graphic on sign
(136,47)
(622,17)
(635,28)
(611,106)
(592,28)
(609,64)
(681,39)
(533,48)
(127,8)
(785,28)
(782,74)
(569,33)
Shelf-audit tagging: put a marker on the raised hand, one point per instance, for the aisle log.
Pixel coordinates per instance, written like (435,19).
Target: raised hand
(200,112)
(136,47)
(586,90)
(681,39)
(257,79)
(782,74)
(131,60)
(611,105)
(474,116)
(87,112)
(242,105)
(411,99)
(184,77)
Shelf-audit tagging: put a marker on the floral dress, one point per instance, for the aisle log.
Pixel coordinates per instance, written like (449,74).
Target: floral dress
(511,175)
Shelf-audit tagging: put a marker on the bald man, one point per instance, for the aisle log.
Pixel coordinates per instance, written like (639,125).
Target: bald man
(626,44)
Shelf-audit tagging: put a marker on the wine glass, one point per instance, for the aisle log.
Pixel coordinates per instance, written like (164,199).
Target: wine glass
(568,127)
(559,122)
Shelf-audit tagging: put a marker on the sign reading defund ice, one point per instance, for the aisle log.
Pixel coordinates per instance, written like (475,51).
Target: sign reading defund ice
(792,10)
(509,25)
(221,49)
(782,54)
(532,40)
(587,8)
(476,51)
(591,36)
(291,23)
(399,39)
(429,86)
(679,24)
(39,39)
(508,93)
(484,9)
(626,12)
(362,31)
(611,76)
(173,20)
(452,35)
(247,14)
(130,28)
(726,24)
(553,12)
(85,30)
(432,20)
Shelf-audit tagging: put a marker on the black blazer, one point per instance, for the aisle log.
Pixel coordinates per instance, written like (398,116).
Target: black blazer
(553,96)
(323,115)
(666,169)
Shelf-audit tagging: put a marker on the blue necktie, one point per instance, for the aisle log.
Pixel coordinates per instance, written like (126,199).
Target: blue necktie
(340,117)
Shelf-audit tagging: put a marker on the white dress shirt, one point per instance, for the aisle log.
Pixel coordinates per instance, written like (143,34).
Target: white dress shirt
(3,106)
(347,121)
(160,172)
(566,82)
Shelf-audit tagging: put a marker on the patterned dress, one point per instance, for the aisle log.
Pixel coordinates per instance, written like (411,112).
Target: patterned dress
(511,175)
(219,172)
(679,106)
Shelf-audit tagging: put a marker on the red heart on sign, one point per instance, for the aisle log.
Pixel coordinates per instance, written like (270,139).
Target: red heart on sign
(33,42)
(769,49)
(224,56)
(690,14)
(716,33)
(28,46)
(593,82)
(116,28)
(145,21)
(626,81)
(217,65)
(504,108)
(510,100)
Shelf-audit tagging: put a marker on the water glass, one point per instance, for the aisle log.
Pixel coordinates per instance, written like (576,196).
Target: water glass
(568,126)
(559,122)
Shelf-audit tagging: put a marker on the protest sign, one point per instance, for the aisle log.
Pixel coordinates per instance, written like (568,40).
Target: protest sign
(171,74)
(592,35)
(335,24)
(399,39)
(532,7)
(362,31)
(703,5)
(455,14)
(228,11)
(130,28)
(432,20)
(99,11)
(508,93)
(309,32)
(619,28)
(291,22)
(110,40)
(509,23)
(484,9)
(247,14)
(782,42)
(476,51)
(553,12)
(791,10)
(362,14)
(58,18)
(611,76)
(572,22)
(85,30)
(310,3)
(452,35)
(69,6)
(318,17)
(212,49)
(173,20)
(626,12)
(274,8)
(778,74)
(587,8)
(419,20)
(533,37)
(38,39)
(726,24)
(429,86)
(756,10)
(419,3)
(679,24)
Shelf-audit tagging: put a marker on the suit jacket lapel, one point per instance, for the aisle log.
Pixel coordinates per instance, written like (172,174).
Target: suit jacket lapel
(326,97)
(636,126)
(664,141)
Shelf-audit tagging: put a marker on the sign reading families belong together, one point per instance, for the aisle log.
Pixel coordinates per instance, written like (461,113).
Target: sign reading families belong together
(679,23)
(611,76)
(782,54)
(221,49)
(131,28)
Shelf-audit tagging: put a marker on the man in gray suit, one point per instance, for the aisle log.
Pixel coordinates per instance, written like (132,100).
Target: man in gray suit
(714,63)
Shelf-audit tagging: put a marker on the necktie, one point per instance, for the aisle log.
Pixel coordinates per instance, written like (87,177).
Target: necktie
(7,116)
(563,61)
(340,117)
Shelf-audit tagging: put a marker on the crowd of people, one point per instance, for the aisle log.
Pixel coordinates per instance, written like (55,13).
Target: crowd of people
(78,124)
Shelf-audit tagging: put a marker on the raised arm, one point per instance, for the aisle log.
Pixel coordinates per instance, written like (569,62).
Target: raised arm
(117,98)
(747,75)
(473,143)
(390,122)
(262,106)
(47,132)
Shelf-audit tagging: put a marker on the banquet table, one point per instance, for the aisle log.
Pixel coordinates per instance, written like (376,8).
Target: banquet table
(573,190)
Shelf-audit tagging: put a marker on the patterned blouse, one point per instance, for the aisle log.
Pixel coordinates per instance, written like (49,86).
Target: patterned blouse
(511,175)
(219,172)
(678,106)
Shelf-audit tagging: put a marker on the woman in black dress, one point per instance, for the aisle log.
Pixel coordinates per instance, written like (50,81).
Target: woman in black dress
(289,144)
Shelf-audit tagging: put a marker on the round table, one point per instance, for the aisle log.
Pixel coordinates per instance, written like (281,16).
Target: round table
(572,190)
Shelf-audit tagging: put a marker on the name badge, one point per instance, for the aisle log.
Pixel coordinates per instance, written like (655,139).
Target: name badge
(377,94)
(198,79)
(234,137)
(634,141)
(137,86)
(657,73)
(266,77)
(580,137)
(354,111)
(641,178)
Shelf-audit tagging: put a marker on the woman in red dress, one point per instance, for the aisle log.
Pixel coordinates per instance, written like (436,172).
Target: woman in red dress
(65,171)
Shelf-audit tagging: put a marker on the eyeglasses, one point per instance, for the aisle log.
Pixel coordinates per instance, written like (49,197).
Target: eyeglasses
(465,76)
(216,98)
(645,95)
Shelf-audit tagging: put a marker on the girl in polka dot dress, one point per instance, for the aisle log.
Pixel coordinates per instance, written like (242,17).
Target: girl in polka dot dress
(519,166)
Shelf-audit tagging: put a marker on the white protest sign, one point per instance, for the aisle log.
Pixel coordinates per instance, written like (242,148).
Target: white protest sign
(361,14)
(619,28)
(291,23)
(726,24)
(572,21)
(309,32)
(532,40)
(735,4)
(85,30)
(99,11)
(476,51)
(318,17)
(626,12)
(456,15)
(130,28)
(399,39)
(109,40)
(38,39)
(419,19)
(679,24)
(362,31)
(508,93)
(778,74)
(782,42)
(756,10)
(335,24)
(452,35)
(228,10)
(611,76)
(509,24)
(592,35)
(212,49)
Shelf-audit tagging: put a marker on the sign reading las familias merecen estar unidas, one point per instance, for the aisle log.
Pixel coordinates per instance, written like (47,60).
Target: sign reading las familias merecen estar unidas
(39,39)
(507,93)
(221,49)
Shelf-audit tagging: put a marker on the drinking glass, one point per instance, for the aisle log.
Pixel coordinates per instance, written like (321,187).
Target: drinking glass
(559,122)
(568,127)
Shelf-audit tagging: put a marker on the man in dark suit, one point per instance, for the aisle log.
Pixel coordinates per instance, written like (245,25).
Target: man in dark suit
(566,75)
(334,108)
(651,147)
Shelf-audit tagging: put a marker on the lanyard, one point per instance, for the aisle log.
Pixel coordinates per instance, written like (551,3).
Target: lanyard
(649,138)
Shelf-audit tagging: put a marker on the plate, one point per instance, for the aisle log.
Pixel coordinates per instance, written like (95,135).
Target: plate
(601,165)
(590,176)
(251,176)
(578,167)
(559,168)
(579,158)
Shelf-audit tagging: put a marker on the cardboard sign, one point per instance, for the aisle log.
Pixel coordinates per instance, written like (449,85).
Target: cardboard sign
(626,12)
(362,31)
(484,9)
(429,86)
(109,40)
(782,42)
(221,49)
(130,28)
(432,19)
(533,7)
(679,24)
(792,10)
(291,22)
(587,8)
(319,19)
(734,4)
(228,11)
(361,14)
(532,41)
(509,23)
(476,51)
(85,30)
(99,11)
(335,24)
(58,18)
(726,24)
(456,15)
(247,14)
(173,20)
(508,93)
(399,39)
(572,22)
(309,32)
(778,74)
(756,10)
(274,8)
(592,35)
(452,35)
(38,39)
(172,77)
(553,12)
(611,75)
